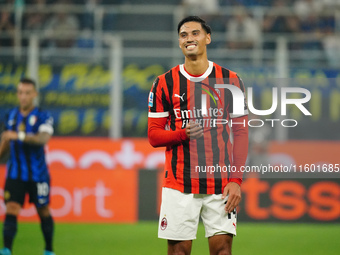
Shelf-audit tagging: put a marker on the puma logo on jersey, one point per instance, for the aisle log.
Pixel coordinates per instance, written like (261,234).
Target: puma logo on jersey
(181,97)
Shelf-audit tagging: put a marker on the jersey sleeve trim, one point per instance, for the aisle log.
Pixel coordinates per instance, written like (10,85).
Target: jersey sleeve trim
(46,128)
(158,114)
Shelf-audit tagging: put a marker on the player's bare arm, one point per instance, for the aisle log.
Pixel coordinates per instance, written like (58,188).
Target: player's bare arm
(4,145)
(39,139)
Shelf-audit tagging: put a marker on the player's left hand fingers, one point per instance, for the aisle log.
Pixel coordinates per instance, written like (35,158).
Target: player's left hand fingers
(225,192)
(200,135)
(195,129)
(196,134)
(232,203)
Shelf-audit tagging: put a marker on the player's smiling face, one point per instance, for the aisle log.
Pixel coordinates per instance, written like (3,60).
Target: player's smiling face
(193,39)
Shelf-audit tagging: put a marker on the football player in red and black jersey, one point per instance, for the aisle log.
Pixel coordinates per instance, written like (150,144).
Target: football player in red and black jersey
(206,144)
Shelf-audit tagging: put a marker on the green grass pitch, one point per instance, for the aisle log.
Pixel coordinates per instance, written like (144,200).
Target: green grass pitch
(141,238)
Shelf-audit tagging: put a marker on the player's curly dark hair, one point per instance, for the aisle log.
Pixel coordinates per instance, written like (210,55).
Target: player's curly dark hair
(205,26)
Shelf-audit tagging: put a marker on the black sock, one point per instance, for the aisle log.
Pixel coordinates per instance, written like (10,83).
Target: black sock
(10,229)
(47,227)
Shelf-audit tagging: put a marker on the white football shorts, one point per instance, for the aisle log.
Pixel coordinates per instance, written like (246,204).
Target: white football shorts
(179,215)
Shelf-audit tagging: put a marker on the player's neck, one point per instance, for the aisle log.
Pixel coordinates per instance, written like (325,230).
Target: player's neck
(26,111)
(197,66)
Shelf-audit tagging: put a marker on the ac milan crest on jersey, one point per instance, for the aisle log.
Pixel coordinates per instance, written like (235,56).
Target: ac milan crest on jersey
(164,223)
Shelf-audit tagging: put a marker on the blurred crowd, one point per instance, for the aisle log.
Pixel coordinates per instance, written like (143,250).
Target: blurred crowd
(311,22)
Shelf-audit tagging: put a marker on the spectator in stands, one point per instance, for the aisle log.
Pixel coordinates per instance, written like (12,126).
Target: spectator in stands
(85,39)
(6,29)
(34,21)
(87,19)
(303,8)
(8,2)
(247,3)
(278,20)
(329,4)
(201,7)
(312,22)
(311,26)
(209,11)
(243,32)
(109,19)
(331,46)
(37,2)
(62,28)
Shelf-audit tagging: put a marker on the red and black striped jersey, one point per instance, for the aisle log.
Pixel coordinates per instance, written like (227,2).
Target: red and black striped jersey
(200,165)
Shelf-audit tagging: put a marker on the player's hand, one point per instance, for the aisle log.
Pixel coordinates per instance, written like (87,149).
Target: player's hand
(193,130)
(9,135)
(234,191)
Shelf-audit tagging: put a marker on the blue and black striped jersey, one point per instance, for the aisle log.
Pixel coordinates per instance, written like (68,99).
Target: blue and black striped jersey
(27,161)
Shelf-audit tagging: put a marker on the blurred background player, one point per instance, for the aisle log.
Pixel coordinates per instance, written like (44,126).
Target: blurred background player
(184,196)
(27,130)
